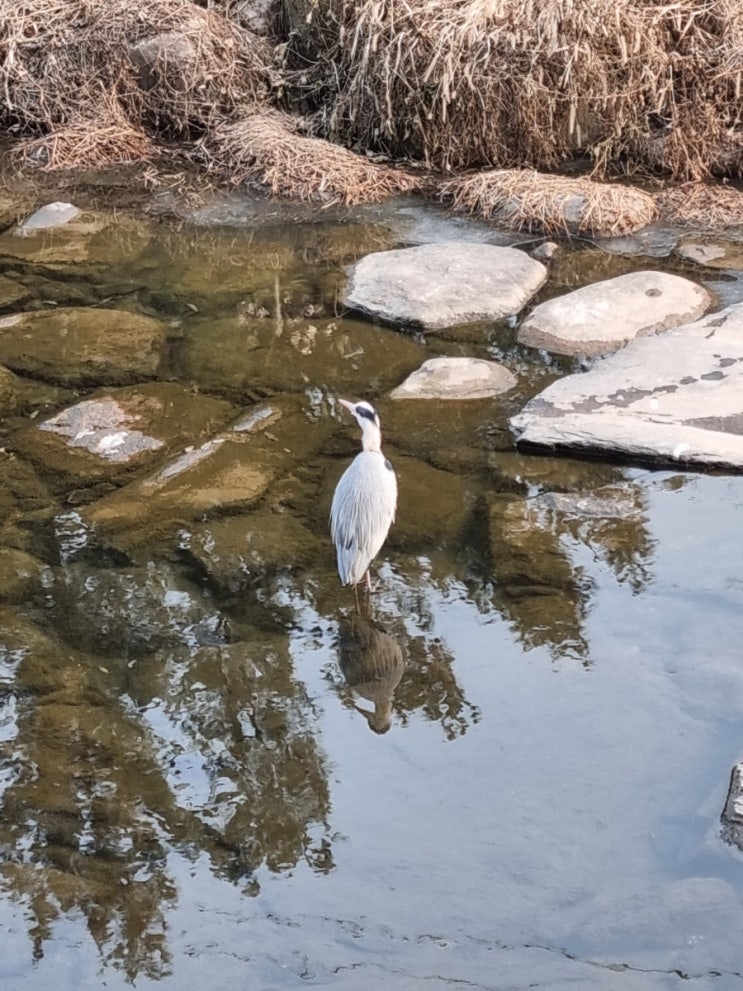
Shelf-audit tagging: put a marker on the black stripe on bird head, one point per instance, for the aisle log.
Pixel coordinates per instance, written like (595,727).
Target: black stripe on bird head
(364,409)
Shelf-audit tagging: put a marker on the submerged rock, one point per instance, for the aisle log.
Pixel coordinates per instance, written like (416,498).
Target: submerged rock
(230,471)
(430,501)
(53,237)
(611,502)
(26,505)
(242,551)
(12,293)
(43,665)
(20,575)
(78,346)
(239,355)
(712,252)
(9,389)
(539,590)
(456,378)
(435,286)
(133,610)
(676,397)
(602,317)
(102,436)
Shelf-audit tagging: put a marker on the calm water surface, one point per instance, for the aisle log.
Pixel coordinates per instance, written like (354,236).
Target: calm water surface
(195,789)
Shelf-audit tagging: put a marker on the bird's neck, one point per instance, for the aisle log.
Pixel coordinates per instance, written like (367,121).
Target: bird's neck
(371,439)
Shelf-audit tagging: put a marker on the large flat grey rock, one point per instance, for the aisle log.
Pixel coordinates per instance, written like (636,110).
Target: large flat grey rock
(604,316)
(434,286)
(676,397)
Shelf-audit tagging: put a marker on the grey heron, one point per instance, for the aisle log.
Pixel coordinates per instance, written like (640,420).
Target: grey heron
(364,501)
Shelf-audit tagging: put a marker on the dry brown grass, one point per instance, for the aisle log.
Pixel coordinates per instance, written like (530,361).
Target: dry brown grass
(264,147)
(697,204)
(109,70)
(91,142)
(526,200)
(513,83)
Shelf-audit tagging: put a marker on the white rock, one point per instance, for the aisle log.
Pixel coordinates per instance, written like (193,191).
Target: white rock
(102,427)
(673,398)
(51,215)
(604,316)
(456,378)
(434,286)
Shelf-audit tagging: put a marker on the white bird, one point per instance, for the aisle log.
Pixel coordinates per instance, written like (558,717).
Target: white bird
(364,502)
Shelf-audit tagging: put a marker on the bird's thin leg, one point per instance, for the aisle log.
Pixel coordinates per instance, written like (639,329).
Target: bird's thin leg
(356,597)
(369,588)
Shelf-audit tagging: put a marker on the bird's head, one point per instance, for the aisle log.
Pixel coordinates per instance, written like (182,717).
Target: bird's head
(367,419)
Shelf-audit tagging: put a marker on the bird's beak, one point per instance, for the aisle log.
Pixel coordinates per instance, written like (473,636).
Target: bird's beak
(349,406)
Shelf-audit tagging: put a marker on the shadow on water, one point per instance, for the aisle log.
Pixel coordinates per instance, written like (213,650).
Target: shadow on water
(184,685)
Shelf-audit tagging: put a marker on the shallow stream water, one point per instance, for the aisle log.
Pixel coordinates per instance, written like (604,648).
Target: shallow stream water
(195,790)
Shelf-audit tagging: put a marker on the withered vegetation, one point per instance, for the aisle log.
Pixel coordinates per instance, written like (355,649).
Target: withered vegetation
(505,87)
(528,200)
(531,83)
(265,146)
(165,67)
(700,204)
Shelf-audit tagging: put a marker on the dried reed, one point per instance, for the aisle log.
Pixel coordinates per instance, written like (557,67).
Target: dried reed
(90,67)
(697,204)
(527,200)
(514,83)
(264,147)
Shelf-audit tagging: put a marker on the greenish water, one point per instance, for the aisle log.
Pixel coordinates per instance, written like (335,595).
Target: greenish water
(192,793)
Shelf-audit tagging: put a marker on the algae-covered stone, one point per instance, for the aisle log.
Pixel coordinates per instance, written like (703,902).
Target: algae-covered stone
(230,471)
(9,390)
(430,501)
(132,610)
(524,554)
(93,239)
(74,346)
(533,576)
(42,664)
(246,550)
(113,431)
(456,379)
(18,394)
(25,502)
(603,316)
(435,286)
(20,575)
(12,293)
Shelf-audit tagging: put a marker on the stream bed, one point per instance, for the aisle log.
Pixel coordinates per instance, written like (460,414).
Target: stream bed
(506,772)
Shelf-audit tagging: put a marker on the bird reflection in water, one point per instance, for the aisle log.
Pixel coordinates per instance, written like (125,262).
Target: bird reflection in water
(372,663)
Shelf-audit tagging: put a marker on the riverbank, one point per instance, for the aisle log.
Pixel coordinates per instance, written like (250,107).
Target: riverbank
(347,103)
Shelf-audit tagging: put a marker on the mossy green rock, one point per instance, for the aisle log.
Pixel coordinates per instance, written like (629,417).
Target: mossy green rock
(116,431)
(77,346)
